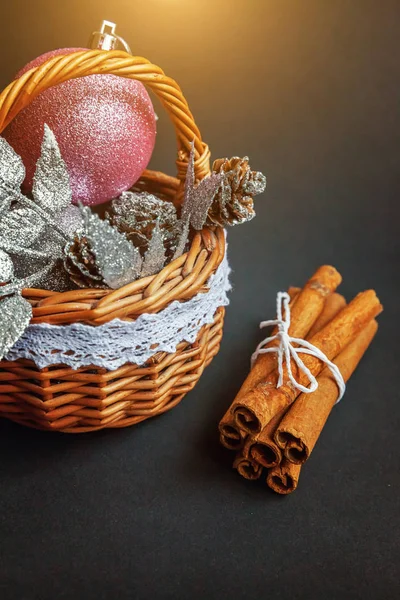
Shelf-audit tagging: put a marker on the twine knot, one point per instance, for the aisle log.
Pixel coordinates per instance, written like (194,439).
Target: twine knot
(286,351)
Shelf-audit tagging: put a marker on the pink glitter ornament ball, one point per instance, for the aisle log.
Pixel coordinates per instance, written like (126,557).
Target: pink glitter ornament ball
(105,126)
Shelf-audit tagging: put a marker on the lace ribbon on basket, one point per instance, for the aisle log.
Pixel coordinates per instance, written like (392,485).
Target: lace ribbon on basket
(286,351)
(119,342)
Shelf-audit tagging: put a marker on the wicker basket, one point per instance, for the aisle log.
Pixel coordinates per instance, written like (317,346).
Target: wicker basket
(60,398)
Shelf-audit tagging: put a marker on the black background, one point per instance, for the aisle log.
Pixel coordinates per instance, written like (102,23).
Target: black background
(309,90)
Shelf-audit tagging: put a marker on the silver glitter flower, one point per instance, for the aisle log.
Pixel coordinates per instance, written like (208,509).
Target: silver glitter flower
(101,256)
(22,225)
(34,231)
(136,215)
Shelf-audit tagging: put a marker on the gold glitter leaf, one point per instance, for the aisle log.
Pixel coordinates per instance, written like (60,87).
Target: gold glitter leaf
(202,199)
(182,239)
(189,186)
(198,198)
(15,315)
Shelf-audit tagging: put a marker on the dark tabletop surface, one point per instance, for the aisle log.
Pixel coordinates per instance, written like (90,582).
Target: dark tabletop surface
(309,90)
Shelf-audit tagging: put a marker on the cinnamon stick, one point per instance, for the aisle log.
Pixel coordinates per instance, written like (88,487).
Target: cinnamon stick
(263,447)
(265,363)
(247,467)
(307,308)
(230,435)
(254,410)
(284,478)
(299,430)
(333,304)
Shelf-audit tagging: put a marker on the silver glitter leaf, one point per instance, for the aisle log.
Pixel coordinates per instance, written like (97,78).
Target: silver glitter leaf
(6,268)
(15,315)
(70,220)
(118,261)
(13,287)
(54,278)
(19,228)
(5,204)
(12,173)
(47,271)
(51,187)
(154,259)
(17,285)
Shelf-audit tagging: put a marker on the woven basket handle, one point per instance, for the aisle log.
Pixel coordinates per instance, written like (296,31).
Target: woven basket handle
(22,91)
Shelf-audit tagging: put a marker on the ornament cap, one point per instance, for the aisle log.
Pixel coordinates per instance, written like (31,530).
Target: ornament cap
(107,39)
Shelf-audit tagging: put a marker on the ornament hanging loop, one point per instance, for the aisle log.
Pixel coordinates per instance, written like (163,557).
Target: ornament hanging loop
(107,39)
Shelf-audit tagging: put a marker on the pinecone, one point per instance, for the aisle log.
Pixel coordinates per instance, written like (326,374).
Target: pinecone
(80,264)
(136,215)
(233,202)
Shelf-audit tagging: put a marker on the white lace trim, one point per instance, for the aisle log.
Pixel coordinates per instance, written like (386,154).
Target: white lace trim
(119,342)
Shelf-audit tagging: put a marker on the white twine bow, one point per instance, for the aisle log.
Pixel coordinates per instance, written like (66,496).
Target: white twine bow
(286,351)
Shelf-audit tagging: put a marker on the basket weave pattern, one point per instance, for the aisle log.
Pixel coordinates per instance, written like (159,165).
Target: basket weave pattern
(63,399)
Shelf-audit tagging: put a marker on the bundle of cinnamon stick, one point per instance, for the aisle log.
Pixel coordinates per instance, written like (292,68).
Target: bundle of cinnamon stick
(276,428)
